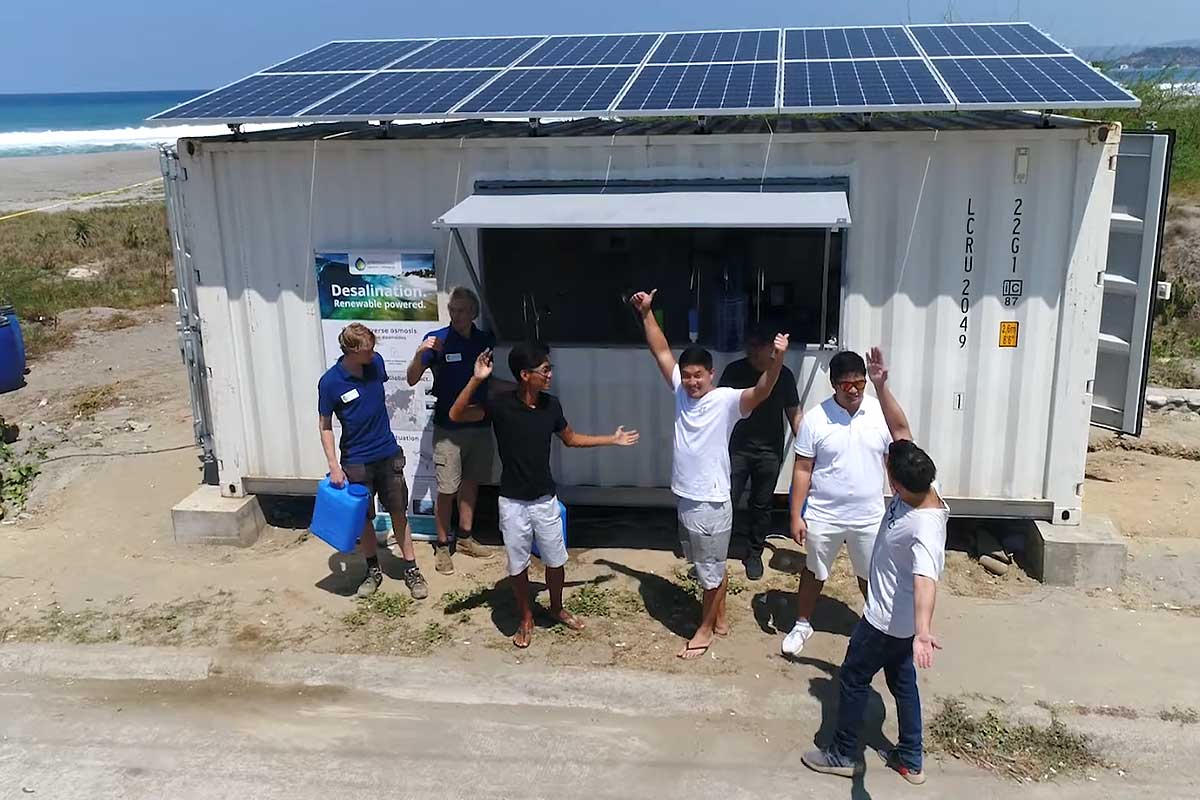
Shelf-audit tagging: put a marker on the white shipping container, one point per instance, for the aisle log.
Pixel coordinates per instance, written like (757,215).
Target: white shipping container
(939,211)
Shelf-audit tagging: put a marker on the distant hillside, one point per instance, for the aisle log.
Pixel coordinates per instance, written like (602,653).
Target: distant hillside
(1163,56)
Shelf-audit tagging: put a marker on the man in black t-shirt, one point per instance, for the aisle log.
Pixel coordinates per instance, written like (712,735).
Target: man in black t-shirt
(757,445)
(524,421)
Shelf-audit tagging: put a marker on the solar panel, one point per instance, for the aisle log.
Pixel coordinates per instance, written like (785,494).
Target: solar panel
(263,96)
(547,91)
(806,70)
(817,43)
(472,53)
(1053,82)
(559,51)
(347,56)
(862,85)
(389,94)
(1017,39)
(693,48)
(703,88)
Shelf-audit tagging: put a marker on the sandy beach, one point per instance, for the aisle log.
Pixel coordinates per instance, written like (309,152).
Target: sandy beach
(38,181)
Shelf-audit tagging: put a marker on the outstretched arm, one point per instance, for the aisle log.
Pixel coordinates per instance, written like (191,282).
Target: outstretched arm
(622,438)
(753,397)
(877,371)
(657,340)
(924,643)
(463,410)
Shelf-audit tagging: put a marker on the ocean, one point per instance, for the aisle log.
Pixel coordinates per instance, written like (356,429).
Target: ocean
(50,124)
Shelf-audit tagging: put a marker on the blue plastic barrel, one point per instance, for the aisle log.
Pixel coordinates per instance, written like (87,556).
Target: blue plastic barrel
(562,511)
(340,514)
(11,313)
(12,357)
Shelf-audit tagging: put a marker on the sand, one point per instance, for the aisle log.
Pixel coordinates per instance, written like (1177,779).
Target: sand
(38,181)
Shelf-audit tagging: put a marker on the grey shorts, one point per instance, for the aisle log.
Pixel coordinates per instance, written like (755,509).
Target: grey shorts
(384,479)
(461,454)
(704,533)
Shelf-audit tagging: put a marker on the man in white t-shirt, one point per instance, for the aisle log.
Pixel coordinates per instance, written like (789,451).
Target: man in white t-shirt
(704,418)
(839,472)
(897,626)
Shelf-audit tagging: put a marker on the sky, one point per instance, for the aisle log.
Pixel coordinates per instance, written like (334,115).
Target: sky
(125,45)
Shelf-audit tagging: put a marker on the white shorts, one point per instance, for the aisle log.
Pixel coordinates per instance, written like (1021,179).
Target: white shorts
(522,521)
(824,541)
(705,529)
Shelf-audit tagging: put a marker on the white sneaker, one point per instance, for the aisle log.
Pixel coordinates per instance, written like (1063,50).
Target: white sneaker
(793,643)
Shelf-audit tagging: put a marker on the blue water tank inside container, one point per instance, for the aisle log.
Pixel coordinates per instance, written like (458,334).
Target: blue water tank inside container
(340,514)
(562,511)
(12,356)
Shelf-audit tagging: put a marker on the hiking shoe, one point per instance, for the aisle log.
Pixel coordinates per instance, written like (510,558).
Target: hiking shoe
(416,584)
(828,762)
(371,583)
(793,643)
(443,563)
(471,548)
(891,759)
(754,566)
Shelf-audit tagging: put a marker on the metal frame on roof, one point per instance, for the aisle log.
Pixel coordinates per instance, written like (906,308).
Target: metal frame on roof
(613,109)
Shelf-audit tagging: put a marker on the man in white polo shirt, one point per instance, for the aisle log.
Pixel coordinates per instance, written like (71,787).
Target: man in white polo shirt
(839,471)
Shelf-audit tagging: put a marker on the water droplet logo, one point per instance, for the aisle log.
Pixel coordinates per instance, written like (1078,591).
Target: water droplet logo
(360,265)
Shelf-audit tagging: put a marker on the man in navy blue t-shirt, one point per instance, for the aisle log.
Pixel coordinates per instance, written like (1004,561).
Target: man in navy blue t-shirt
(352,390)
(462,451)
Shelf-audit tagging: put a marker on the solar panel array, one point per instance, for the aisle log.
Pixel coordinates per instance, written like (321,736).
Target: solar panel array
(768,71)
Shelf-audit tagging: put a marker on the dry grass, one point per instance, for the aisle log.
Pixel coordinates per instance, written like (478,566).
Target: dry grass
(115,322)
(90,401)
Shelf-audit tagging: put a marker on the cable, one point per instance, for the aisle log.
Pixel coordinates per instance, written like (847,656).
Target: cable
(762,178)
(916,213)
(119,455)
(80,198)
(311,266)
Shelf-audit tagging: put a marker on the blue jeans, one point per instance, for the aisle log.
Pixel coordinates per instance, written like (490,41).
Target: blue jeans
(870,651)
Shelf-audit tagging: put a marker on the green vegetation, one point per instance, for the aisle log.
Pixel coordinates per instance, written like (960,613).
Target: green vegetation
(386,605)
(128,246)
(591,600)
(17,473)
(1020,751)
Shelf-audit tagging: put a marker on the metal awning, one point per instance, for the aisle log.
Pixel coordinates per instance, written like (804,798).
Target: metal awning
(668,209)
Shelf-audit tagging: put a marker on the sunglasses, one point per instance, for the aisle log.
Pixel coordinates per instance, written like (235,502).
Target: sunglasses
(543,371)
(846,386)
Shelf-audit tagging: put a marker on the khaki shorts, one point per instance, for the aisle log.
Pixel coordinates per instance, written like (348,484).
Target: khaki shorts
(461,454)
(383,478)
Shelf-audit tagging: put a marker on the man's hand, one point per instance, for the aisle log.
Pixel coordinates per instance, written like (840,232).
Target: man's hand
(923,647)
(337,476)
(430,343)
(877,369)
(799,531)
(483,365)
(642,301)
(624,438)
(780,345)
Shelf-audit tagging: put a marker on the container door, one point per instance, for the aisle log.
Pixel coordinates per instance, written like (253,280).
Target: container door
(188,327)
(1131,280)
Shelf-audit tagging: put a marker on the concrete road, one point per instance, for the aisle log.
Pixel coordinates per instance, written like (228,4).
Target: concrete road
(101,722)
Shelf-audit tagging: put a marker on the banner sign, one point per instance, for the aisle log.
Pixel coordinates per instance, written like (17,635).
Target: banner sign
(394,293)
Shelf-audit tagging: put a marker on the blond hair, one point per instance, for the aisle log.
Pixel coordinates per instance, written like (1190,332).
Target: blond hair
(356,336)
(463,293)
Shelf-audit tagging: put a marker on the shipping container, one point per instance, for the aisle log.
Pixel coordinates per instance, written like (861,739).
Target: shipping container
(974,248)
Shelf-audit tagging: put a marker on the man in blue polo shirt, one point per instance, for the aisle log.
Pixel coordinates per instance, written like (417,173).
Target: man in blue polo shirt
(352,390)
(462,451)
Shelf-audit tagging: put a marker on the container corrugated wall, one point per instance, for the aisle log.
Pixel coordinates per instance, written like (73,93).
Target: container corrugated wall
(1006,423)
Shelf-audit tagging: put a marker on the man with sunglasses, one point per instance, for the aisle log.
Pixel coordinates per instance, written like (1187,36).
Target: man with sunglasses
(524,421)
(839,470)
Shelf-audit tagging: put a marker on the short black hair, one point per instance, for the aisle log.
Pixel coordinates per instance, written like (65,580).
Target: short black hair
(910,466)
(527,356)
(763,332)
(696,357)
(846,363)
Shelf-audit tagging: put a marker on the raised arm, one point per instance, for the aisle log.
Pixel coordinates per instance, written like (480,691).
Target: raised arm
(463,410)
(877,371)
(622,438)
(655,338)
(753,397)
(417,367)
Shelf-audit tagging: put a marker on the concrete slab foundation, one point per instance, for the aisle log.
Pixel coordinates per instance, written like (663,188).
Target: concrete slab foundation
(205,517)
(1089,555)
